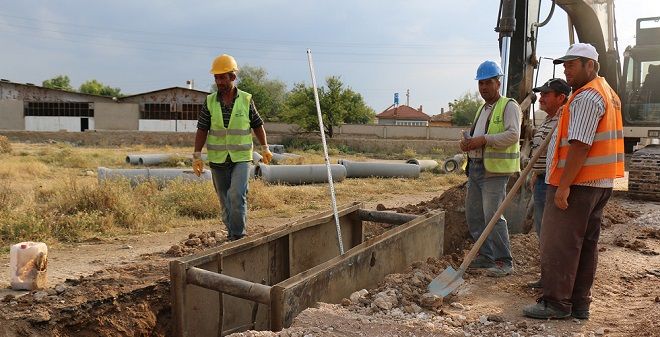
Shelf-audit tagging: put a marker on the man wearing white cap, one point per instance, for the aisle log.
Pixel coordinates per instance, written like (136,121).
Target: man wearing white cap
(585,154)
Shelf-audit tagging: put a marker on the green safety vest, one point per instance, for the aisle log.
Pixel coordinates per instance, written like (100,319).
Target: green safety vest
(497,160)
(235,140)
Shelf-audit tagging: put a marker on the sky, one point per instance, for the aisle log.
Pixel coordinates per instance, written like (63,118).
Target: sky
(377,47)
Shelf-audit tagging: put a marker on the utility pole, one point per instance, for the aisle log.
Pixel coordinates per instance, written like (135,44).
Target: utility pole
(408,97)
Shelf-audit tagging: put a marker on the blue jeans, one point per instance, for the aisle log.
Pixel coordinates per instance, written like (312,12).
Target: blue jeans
(484,196)
(231,185)
(540,187)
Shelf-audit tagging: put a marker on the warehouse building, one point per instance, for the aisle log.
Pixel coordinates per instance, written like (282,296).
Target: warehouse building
(34,108)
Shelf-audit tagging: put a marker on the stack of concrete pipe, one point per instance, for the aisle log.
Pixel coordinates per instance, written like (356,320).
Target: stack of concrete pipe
(379,169)
(299,174)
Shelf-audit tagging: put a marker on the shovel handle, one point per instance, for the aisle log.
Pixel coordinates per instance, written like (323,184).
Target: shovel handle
(507,200)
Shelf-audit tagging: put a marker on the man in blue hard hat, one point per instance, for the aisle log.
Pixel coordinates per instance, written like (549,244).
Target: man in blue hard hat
(493,155)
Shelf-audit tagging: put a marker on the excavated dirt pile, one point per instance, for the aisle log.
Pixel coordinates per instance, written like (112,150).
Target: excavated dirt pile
(452,202)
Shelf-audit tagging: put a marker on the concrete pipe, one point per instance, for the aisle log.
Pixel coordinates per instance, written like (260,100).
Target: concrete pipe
(280,157)
(299,174)
(383,170)
(256,157)
(148,159)
(136,176)
(424,164)
(276,148)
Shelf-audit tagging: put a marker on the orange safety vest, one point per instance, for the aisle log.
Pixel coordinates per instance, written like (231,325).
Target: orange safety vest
(605,157)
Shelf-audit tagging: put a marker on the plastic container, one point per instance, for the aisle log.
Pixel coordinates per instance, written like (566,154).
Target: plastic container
(27,265)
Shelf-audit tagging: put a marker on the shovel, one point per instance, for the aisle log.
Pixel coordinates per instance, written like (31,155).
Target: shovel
(450,279)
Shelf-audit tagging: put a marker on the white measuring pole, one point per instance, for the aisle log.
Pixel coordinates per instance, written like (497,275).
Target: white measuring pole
(325,152)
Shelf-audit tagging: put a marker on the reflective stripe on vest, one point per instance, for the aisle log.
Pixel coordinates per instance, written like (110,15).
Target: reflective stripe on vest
(605,159)
(235,140)
(496,160)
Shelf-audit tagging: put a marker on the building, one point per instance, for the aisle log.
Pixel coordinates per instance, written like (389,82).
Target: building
(172,109)
(35,108)
(403,115)
(442,119)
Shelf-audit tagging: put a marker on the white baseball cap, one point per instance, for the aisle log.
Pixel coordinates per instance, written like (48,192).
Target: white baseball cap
(578,50)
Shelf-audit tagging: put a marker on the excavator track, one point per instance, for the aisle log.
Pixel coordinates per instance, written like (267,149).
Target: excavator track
(644,174)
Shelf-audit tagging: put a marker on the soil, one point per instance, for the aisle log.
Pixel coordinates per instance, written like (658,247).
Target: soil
(128,293)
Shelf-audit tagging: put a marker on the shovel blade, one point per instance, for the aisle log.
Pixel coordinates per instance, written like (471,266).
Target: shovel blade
(448,281)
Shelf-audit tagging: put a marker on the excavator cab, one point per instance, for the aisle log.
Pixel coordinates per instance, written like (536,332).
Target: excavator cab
(640,91)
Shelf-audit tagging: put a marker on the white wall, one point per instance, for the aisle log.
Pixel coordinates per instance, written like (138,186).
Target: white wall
(186,126)
(167,125)
(71,124)
(156,125)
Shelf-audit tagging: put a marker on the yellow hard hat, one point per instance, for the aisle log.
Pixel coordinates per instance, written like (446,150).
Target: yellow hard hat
(223,64)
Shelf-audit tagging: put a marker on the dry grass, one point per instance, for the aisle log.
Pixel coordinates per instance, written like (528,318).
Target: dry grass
(46,194)
(5,145)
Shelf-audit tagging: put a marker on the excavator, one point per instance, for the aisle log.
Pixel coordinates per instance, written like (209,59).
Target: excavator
(638,86)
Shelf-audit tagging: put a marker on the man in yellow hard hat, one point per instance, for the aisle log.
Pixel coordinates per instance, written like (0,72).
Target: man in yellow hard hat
(225,124)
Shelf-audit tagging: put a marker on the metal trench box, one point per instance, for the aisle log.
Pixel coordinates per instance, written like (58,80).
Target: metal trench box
(262,282)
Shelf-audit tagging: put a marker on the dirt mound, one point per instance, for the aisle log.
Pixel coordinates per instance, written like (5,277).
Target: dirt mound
(126,301)
(452,202)
(196,243)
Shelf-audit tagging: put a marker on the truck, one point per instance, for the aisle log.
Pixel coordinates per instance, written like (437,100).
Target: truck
(593,22)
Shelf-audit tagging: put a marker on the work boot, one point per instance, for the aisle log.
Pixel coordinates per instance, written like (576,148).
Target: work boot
(535,285)
(500,269)
(580,313)
(481,262)
(543,310)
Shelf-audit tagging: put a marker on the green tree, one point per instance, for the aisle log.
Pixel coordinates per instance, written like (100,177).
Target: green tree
(268,94)
(338,105)
(61,82)
(95,87)
(465,108)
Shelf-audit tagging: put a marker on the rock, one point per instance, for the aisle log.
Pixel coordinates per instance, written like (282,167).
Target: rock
(600,331)
(126,247)
(211,241)
(457,305)
(483,319)
(515,334)
(193,242)
(60,288)
(39,295)
(192,236)
(8,298)
(355,296)
(39,317)
(175,250)
(495,318)
(89,173)
(51,292)
(430,301)
(383,303)
(521,325)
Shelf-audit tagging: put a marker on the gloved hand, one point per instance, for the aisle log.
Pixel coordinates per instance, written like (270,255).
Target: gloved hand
(266,155)
(198,163)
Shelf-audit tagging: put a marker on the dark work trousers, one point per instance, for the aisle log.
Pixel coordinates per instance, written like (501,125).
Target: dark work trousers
(569,246)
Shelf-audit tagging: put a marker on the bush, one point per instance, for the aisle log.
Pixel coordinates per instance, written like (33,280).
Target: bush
(5,145)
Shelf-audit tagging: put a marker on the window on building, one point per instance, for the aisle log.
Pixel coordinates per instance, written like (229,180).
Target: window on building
(59,109)
(190,111)
(157,111)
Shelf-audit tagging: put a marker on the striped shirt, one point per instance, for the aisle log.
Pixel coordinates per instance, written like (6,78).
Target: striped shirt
(204,118)
(587,109)
(539,136)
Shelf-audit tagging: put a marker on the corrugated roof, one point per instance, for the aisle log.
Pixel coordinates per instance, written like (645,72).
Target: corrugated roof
(403,112)
(165,89)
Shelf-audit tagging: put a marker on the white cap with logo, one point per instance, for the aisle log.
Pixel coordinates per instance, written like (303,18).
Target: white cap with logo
(578,50)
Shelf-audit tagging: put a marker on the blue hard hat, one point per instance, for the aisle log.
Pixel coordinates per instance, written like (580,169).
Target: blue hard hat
(487,70)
